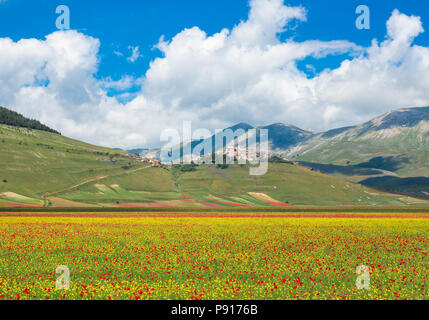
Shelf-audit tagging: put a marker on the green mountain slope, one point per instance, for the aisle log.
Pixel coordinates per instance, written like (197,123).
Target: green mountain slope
(283,137)
(34,162)
(12,118)
(288,183)
(208,185)
(398,139)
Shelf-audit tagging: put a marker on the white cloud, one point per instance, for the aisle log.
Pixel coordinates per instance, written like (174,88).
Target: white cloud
(266,20)
(135,54)
(125,83)
(243,74)
(391,74)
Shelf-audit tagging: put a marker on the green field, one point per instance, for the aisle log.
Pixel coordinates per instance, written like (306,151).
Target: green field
(282,257)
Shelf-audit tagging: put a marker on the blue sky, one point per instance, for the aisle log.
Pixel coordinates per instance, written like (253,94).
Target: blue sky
(120,24)
(301,62)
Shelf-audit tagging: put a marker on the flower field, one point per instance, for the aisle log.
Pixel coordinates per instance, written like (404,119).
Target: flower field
(214,257)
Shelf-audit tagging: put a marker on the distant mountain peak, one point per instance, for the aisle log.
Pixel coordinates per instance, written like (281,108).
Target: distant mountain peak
(241,125)
(398,133)
(404,117)
(285,126)
(422,109)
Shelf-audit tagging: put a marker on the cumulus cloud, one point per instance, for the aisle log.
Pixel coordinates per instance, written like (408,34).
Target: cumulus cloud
(390,74)
(244,74)
(266,20)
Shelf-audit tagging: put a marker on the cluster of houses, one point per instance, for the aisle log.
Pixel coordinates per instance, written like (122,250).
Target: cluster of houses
(151,161)
(238,153)
(242,153)
(143,159)
(136,157)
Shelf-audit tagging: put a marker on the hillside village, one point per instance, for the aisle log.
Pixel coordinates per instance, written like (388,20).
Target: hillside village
(137,158)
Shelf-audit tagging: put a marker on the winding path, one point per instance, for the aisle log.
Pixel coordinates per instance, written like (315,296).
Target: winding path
(48,194)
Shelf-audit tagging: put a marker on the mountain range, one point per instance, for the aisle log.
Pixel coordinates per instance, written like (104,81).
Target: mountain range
(393,145)
(401,137)
(40,167)
(393,134)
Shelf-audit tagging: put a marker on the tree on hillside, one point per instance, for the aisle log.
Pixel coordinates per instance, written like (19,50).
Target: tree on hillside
(13,118)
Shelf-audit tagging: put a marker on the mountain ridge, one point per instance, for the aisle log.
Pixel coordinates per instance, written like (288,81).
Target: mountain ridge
(299,144)
(12,118)
(396,133)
